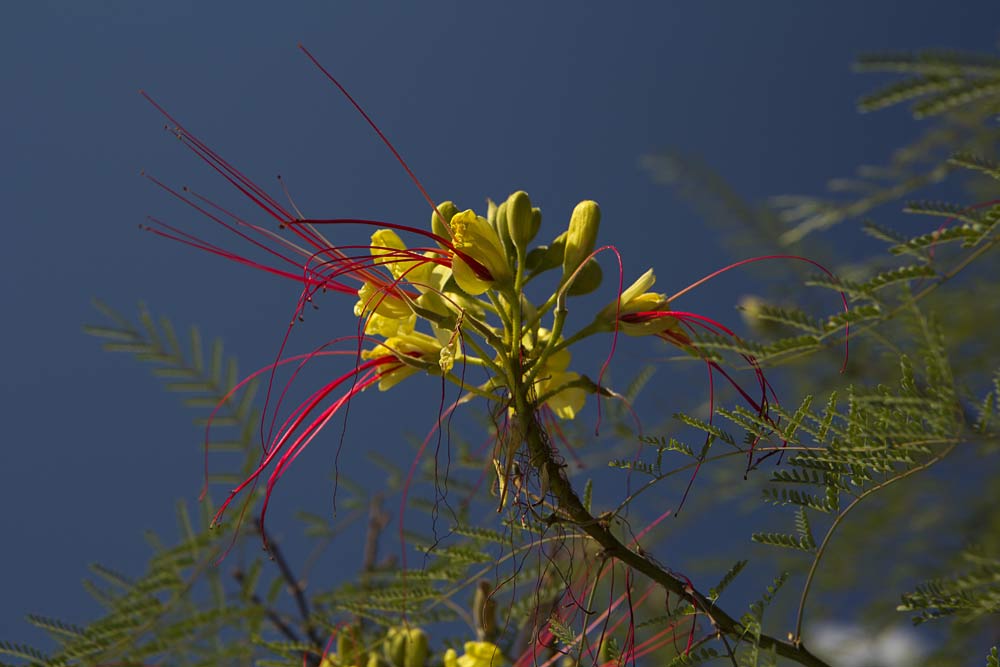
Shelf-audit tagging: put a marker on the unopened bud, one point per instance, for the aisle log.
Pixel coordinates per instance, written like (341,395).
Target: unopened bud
(491,211)
(581,236)
(544,258)
(500,224)
(439,226)
(588,278)
(349,645)
(406,647)
(522,222)
(484,610)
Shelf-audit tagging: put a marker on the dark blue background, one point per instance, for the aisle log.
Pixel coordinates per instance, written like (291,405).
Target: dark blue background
(560,99)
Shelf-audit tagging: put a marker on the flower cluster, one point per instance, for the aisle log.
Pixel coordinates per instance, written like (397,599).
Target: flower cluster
(457,299)
(450,299)
(462,302)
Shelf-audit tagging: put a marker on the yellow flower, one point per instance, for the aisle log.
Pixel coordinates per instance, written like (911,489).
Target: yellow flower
(386,313)
(569,400)
(389,250)
(475,238)
(406,347)
(638,312)
(479,654)
(553,375)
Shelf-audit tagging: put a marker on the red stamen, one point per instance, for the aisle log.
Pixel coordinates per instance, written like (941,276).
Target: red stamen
(368,119)
(241,384)
(751,260)
(254,192)
(292,425)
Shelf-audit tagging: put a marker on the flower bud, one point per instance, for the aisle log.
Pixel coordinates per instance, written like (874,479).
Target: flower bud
(581,236)
(484,610)
(522,221)
(499,223)
(544,258)
(406,647)
(491,211)
(349,645)
(439,226)
(587,279)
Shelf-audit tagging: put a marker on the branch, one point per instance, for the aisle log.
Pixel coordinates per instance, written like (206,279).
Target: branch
(272,615)
(569,503)
(295,586)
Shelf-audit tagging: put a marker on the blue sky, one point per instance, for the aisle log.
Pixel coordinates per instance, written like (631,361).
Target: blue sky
(560,99)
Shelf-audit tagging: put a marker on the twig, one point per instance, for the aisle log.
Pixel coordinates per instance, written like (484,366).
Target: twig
(378,519)
(272,615)
(295,586)
(797,636)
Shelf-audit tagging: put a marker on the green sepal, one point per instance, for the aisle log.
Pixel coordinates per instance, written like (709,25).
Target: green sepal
(546,257)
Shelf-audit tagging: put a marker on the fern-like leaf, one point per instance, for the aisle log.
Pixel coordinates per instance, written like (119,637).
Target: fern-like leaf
(696,657)
(977,163)
(731,574)
(783,540)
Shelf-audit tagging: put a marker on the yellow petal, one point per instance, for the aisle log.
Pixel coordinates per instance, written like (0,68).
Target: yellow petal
(569,400)
(476,239)
(387,248)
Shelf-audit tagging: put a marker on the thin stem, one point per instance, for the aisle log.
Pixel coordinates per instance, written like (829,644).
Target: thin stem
(955,270)
(551,346)
(279,623)
(797,636)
